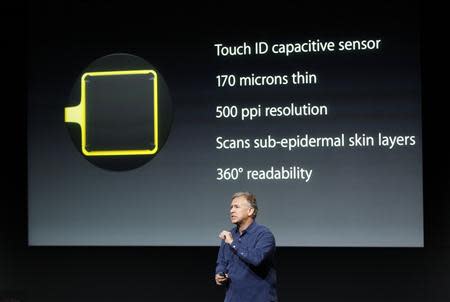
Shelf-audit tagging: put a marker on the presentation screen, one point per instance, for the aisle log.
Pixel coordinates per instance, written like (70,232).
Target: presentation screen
(140,131)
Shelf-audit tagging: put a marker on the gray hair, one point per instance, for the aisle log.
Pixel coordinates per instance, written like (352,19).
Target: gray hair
(251,198)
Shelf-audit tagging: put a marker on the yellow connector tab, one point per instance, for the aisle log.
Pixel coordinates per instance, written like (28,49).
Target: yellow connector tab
(77,114)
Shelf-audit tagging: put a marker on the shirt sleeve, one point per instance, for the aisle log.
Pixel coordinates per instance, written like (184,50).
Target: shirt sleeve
(222,262)
(264,249)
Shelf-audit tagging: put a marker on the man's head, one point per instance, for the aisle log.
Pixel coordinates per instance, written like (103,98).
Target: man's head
(243,207)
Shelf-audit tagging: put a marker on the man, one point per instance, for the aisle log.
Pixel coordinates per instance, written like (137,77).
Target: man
(245,264)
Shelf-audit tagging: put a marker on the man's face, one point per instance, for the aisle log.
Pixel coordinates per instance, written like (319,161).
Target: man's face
(240,210)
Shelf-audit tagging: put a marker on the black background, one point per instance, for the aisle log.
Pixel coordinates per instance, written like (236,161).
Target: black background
(186,274)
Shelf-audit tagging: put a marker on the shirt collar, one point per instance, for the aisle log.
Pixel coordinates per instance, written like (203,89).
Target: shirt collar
(251,227)
(249,230)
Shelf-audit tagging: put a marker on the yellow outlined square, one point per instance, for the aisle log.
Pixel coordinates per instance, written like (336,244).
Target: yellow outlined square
(77,114)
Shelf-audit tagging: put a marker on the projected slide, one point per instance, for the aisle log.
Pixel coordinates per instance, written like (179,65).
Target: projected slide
(140,137)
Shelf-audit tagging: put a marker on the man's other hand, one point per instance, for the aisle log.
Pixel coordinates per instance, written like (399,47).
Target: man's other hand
(220,279)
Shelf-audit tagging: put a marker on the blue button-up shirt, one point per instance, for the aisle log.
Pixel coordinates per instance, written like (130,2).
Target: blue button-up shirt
(249,263)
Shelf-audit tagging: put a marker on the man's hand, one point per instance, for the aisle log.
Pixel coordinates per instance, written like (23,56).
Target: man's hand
(220,279)
(225,235)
